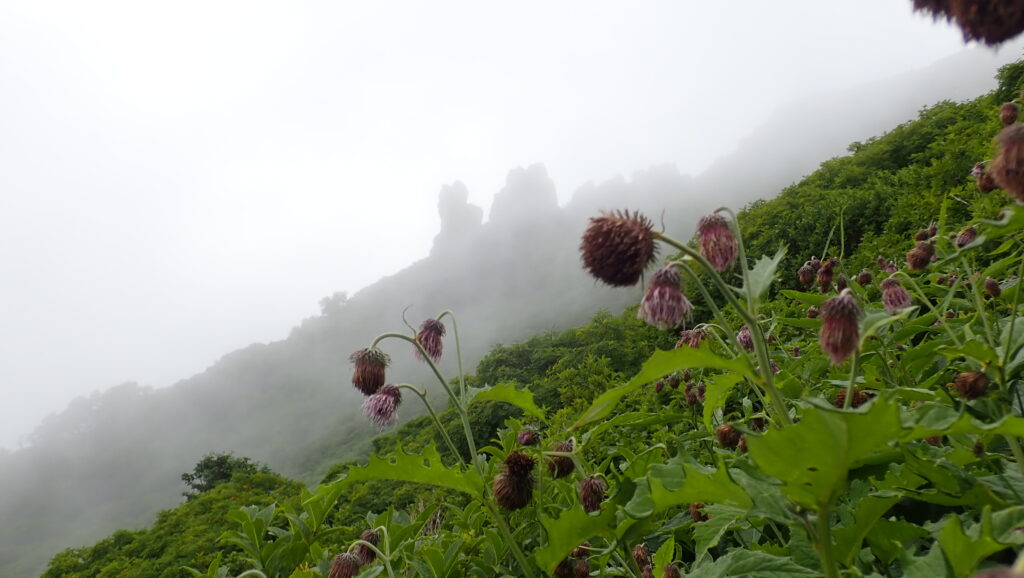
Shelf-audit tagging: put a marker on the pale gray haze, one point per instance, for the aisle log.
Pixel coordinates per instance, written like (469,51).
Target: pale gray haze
(181,179)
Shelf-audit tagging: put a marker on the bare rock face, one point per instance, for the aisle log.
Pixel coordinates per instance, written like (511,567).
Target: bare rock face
(528,196)
(460,220)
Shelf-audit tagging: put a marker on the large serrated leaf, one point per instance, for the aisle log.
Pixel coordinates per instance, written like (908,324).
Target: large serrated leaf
(965,551)
(676,484)
(425,468)
(507,392)
(718,390)
(707,535)
(762,274)
(753,564)
(660,364)
(567,531)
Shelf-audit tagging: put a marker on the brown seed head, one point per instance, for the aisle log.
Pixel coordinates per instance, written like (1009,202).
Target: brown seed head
(716,241)
(429,336)
(840,332)
(345,566)
(561,466)
(992,287)
(592,493)
(642,556)
(1008,167)
(728,435)
(617,247)
(366,554)
(971,384)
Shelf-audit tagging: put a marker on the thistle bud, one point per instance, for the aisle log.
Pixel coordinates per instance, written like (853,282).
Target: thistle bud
(966,237)
(864,277)
(992,287)
(370,365)
(697,512)
(365,553)
(561,466)
(581,569)
(806,274)
(890,267)
(894,296)
(840,332)
(727,435)
(617,247)
(934,441)
(971,384)
(674,380)
(716,241)
(429,337)
(920,256)
(642,556)
(513,488)
(659,385)
(664,304)
(796,351)
(527,437)
(691,338)
(1008,113)
(744,338)
(671,571)
(345,566)
(581,551)
(842,283)
(812,312)
(564,569)
(933,230)
(859,398)
(381,408)
(1008,166)
(592,493)
(922,235)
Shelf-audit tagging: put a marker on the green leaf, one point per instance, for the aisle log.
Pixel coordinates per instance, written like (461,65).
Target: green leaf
(762,274)
(708,534)
(752,564)
(634,419)
(807,298)
(1012,221)
(507,392)
(965,551)
(932,565)
(888,538)
(567,531)
(874,321)
(718,389)
(802,322)
(676,484)
(660,364)
(813,457)
(663,557)
(425,468)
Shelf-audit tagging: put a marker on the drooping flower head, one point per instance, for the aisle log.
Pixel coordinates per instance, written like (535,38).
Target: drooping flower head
(592,493)
(564,569)
(691,338)
(581,569)
(664,304)
(920,256)
(745,339)
(971,384)
(728,435)
(527,436)
(966,237)
(671,571)
(513,488)
(890,267)
(382,407)
(992,287)
(697,512)
(894,296)
(717,243)
(826,272)
(345,566)
(806,274)
(617,247)
(429,337)
(840,331)
(1008,167)
(859,398)
(370,365)
(561,466)
(989,21)
(864,277)
(1008,113)
(642,556)
(366,554)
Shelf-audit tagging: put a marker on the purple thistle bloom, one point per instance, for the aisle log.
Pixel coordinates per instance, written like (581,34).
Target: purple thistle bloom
(717,243)
(664,305)
(592,493)
(691,338)
(429,337)
(745,339)
(890,267)
(370,365)
(840,332)
(894,296)
(345,565)
(966,237)
(382,406)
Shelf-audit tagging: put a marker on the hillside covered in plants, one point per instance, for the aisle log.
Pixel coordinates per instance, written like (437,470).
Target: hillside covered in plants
(827,383)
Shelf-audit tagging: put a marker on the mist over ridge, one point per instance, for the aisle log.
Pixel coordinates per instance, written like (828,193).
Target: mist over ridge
(112,459)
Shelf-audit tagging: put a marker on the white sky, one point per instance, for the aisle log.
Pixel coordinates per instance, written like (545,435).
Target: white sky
(180,179)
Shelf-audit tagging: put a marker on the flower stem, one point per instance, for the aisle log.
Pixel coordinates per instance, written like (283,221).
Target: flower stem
(928,303)
(513,545)
(853,379)
(437,422)
(458,351)
(824,543)
(383,557)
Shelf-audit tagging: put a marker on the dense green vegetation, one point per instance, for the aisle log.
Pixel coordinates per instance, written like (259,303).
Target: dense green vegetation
(914,478)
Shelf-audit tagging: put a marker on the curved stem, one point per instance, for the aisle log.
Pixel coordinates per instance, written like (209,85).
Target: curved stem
(383,557)
(513,545)
(755,330)
(437,421)
(458,351)
(734,226)
(853,379)
(824,540)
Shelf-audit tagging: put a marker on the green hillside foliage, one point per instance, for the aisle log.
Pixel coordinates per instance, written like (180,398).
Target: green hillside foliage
(706,458)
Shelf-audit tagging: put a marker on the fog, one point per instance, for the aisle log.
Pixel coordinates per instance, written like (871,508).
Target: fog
(182,187)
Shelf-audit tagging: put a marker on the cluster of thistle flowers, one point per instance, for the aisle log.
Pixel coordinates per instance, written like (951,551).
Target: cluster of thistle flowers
(642,557)
(577,565)
(1006,171)
(382,399)
(513,487)
(348,564)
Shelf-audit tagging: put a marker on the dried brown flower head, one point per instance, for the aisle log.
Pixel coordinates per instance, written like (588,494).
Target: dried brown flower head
(1008,113)
(561,466)
(642,556)
(971,384)
(345,566)
(966,237)
(806,274)
(371,364)
(728,435)
(864,277)
(366,554)
(429,337)
(592,493)
(988,21)
(716,241)
(894,296)
(840,332)
(1008,167)
(617,247)
(671,571)
(513,488)
(992,287)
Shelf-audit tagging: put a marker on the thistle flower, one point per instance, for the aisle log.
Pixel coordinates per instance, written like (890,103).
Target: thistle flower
(365,553)
(971,384)
(716,241)
(922,235)
(840,332)
(344,566)
(1008,167)
(664,305)
(429,337)
(815,263)
(966,237)
(691,338)
(934,441)
(370,365)
(812,312)
(674,380)
(513,488)
(671,571)
(581,569)
(842,283)
(592,493)
(894,296)
(933,230)
(859,398)
(825,275)
(1008,113)
(564,569)
(796,351)
(642,556)
(864,277)
(527,437)
(806,274)
(920,256)
(696,512)
(745,339)
(990,21)
(561,466)
(617,247)
(381,408)
(880,262)
(992,287)
(727,435)
(890,267)
(581,551)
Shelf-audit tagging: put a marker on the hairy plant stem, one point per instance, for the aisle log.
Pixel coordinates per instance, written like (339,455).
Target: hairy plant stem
(853,379)
(760,348)
(437,421)
(458,352)
(824,543)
